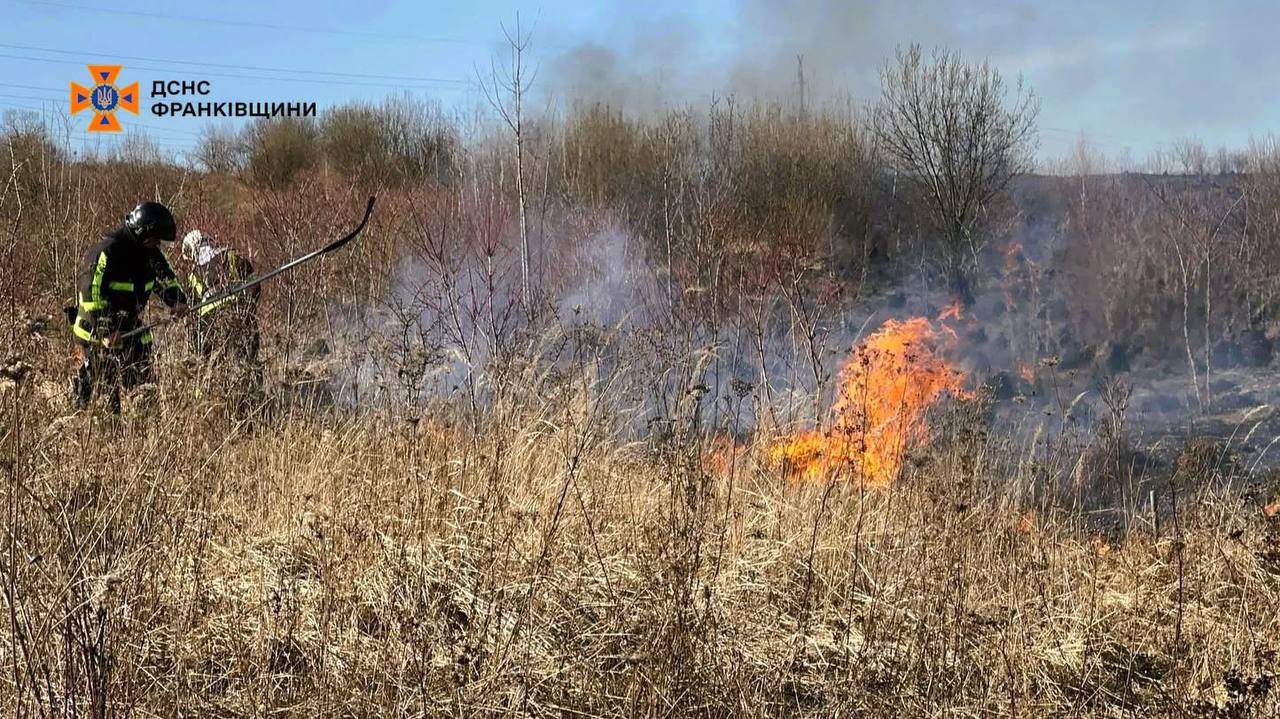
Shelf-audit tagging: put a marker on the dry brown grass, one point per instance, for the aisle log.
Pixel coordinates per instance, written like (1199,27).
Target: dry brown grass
(357,564)
(550,541)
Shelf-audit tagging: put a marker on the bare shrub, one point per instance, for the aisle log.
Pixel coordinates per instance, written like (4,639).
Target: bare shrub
(421,141)
(221,151)
(351,136)
(1192,156)
(400,142)
(280,148)
(951,129)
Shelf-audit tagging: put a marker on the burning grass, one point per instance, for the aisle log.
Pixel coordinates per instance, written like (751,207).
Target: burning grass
(884,389)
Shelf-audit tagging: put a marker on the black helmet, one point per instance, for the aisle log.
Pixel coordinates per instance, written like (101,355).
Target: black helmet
(151,219)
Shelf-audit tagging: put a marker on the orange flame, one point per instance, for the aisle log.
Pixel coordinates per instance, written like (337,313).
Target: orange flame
(1099,545)
(883,391)
(1026,373)
(1013,256)
(722,455)
(953,311)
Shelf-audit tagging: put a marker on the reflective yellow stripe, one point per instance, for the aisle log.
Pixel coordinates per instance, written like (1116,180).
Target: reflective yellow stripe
(80,329)
(81,332)
(90,306)
(209,308)
(95,287)
(151,285)
(198,288)
(120,286)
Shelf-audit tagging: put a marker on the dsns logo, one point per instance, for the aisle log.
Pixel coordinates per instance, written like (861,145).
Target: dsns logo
(104,97)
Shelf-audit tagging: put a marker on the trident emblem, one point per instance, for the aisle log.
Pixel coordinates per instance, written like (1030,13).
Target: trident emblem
(105,98)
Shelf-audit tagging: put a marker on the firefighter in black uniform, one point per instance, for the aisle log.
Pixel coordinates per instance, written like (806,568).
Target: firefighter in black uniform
(117,277)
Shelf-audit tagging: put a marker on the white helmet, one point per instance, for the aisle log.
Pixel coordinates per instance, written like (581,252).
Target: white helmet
(199,247)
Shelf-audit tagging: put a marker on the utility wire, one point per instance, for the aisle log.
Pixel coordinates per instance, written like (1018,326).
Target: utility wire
(39,88)
(56,107)
(250,77)
(246,23)
(23,106)
(108,138)
(323,73)
(31,97)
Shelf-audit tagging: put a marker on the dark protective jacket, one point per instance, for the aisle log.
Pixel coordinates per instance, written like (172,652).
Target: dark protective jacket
(117,277)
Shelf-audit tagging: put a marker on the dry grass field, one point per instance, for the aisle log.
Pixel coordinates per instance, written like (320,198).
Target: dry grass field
(540,561)
(623,440)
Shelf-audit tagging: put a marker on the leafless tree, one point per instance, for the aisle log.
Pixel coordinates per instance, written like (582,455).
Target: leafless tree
(1227,161)
(1159,162)
(1192,156)
(221,150)
(1197,227)
(505,89)
(950,128)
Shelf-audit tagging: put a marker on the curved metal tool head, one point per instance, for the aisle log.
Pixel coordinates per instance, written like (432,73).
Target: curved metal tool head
(368,212)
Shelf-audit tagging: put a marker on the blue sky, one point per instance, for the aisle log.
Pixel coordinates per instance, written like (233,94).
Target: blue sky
(1131,76)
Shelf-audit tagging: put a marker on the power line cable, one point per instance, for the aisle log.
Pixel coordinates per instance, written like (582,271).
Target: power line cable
(105,138)
(247,23)
(326,73)
(60,111)
(253,77)
(22,106)
(39,88)
(29,97)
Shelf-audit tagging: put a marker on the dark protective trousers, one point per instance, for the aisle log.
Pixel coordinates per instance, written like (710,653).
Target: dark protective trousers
(108,370)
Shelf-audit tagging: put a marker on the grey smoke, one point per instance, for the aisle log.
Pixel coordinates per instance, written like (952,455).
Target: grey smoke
(1133,75)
